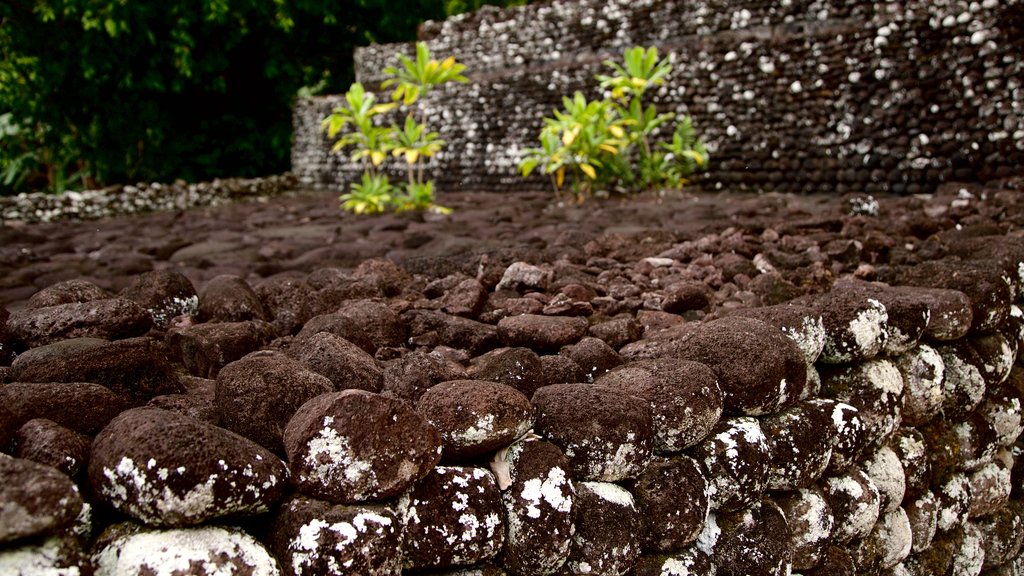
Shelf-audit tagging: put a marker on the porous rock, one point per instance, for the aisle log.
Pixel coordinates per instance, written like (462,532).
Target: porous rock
(413,374)
(339,325)
(990,295)
(618,332)
(691,562)
(607,526)
(206,348)
(855,325)
(848,438)
(685,399)
(74,291)
(202,551)
(164,294)
(59,555)
(990,489)
(170,470)
(802,324)
(912,451)
(228,298)
(467,298)
(923,515)
(540,506)
(887,545)
(452,517)
(312,537)
(753,540)
(1002,534)
(475,417)
(963,385)
(800,444)
(810,522)
(46,442)
(382,326)
(875,388)
(924,375)
(541,333)
(342,362)
(523,277)
(35,500)
(78,406)
(735,458)
(593,355)
(885,469)
(672,497)
(954,499)
(6,341)
(607,435)
(136,369)
(907,314)
(288,301)
(352,446)
(257,395)
(855,504)
(111,319)
(519,368)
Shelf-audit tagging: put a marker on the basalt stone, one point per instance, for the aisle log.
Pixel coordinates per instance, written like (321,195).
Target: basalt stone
(849,440)
(74,291)
(607,435)
(686,296)
(475,417)
(999,414)
(199,406)
(802,324)
(912,451)
(924,374)
(135,369)
(672,497)
(990,489)
(907,314)
(992,354)
(228,298)
(540,506)
(342,362)
(835,561)
(593,355)
(486,569)
(989,293)
(200,551)
(288,301)
(754,540)
(81,407)
(685,398)
(111,319)
(855,325)
(950,315)
(59,555)
(312,537)
(467,298)
(607,524)
(954,498)
(558,369)
(887,545)
(692,562)
(452,517)
(923,515)
(963,385)
(1002,534)
(206,348)
(170,470)
(800,444)
(467,334)
(760,370)
(519,368)
(936,559)
(541,333)
(354,446)
(46,442)
(810,522)
(35,500)
(524,277)
(618,332)
(886,471)
(875,388)
(257,395)
(383,327)
(6,341)
(735,458)
(341,326)
(413,374)
(855,503)
(968,550)
(165,295)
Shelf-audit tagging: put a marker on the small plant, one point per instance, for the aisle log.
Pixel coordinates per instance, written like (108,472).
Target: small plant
(604,145)
(358,123)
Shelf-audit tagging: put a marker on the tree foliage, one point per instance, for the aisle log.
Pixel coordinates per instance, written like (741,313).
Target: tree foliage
(119,90)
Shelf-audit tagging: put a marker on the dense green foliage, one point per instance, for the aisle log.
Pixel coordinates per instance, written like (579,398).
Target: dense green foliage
(359,125)
(601,146)
(104,91)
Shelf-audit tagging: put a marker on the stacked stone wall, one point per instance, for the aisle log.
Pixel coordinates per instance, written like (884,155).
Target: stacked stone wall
(792,96)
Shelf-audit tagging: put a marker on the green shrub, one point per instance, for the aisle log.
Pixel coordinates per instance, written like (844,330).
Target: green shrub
(358,122)
(608,145)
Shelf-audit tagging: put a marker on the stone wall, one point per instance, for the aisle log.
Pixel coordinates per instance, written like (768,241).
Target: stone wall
(791,96)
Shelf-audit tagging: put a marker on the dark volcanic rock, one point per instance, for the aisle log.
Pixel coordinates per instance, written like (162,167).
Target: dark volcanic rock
(467,298)
(886,546)
(541,333)
(206,348)
(759,369)
(35,500)
(874,388)
(136,369)
(755,540)
(803,325)
(593,355)
(165,294)
(56,555)
(382,326)
(923,374)
(6,342)
(607,435)
(314,537)
(607,527)
(354,446)
(855,504)
(452,517)
(46,442)
(810,521)
(855,325)
(672,497)
(984,285)
(1002,535)
(618,332)
(686,296)
(907,313)
(800,444)
(228,298)
(111,319)
(557,369)
(735,458)
(691,562)
(72,291)
(685,399)
(289,302)
(257,395)
(540,506)
(78,406)
(466,334)
(519,368)
(342,362)
(341,326)
(415,373)
(166,469)
(475,417)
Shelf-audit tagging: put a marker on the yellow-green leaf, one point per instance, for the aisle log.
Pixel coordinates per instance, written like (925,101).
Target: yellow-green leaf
(411,156)
(560,177)
(377,157)
(617,131)
(609,148)
(589,171)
